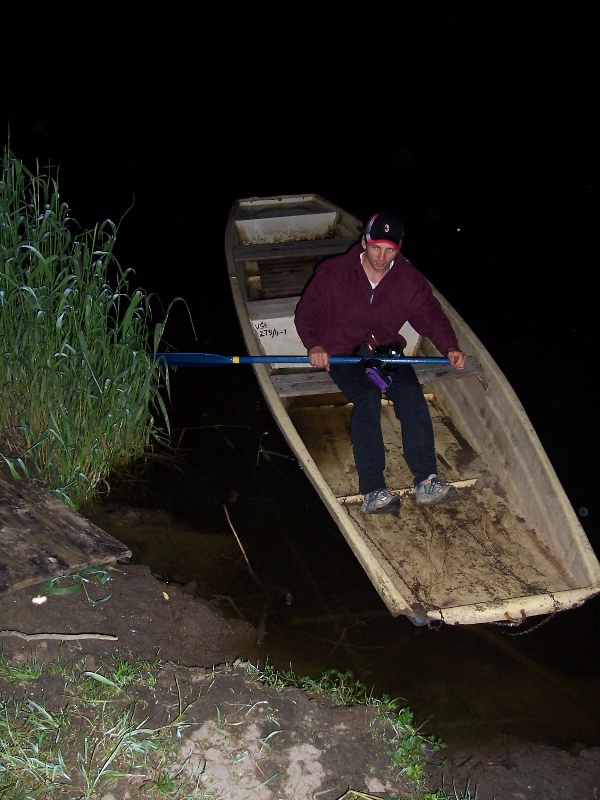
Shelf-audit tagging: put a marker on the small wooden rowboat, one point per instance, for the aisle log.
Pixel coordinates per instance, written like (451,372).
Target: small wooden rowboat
(511,546)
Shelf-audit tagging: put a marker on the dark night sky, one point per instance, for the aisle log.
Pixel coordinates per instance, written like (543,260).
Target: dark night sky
(473,121)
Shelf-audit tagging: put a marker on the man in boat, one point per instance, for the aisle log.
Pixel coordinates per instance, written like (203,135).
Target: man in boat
(352,303)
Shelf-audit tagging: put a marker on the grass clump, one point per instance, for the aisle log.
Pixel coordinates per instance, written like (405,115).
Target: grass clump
(80,393)
(92,743)
(404,743)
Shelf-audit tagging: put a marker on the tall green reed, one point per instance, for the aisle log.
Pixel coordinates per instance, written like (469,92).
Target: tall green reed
(80,394)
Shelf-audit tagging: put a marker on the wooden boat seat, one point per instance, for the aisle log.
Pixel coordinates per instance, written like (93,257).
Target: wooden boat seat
(297,384)
(285,278)
(319,248)
(284,268)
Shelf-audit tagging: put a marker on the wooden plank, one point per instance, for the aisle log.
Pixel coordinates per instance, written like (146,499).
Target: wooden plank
(298,384)
(42,538)
(427,373)
(285,277)
(317,248)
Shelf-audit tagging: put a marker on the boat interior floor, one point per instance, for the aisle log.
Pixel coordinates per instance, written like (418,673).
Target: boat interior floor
(468,551)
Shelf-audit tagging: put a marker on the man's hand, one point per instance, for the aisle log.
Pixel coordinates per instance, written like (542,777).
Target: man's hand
(318,357)
(457,358)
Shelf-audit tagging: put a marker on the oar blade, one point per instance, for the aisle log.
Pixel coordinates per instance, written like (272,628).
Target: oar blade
(192,359)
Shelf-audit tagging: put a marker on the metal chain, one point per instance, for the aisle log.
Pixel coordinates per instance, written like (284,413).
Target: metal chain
(529,630)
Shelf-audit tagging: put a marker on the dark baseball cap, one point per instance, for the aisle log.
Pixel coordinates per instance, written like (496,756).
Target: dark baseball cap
(385,228)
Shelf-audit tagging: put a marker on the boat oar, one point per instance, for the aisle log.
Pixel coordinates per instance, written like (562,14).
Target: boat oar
(213,360)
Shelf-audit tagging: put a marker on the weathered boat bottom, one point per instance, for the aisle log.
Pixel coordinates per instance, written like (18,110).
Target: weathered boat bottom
(474,550)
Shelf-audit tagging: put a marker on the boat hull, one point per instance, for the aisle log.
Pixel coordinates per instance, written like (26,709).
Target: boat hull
(510,547)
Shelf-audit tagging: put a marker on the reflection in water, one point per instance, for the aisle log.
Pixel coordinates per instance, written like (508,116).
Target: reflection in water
(242,527)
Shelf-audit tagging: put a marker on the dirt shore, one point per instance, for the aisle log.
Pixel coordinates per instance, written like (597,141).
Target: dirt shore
(320,749)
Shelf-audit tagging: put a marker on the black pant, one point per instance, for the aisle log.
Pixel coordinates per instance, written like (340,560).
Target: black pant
(411,410)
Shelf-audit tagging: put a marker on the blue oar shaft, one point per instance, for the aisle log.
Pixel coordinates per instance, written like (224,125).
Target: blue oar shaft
(211,359)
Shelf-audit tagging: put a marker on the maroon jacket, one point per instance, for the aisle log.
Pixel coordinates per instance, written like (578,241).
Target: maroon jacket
(338,307)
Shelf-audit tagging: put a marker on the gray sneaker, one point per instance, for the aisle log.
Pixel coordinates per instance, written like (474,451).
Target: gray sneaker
(380,501)
(434,490)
